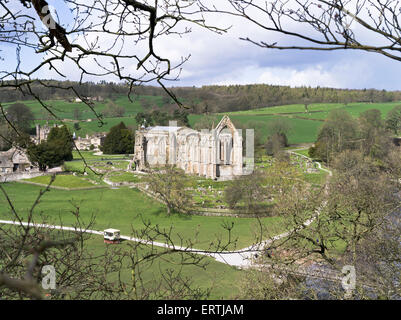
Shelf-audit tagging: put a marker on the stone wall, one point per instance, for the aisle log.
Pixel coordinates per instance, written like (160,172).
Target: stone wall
(20,175)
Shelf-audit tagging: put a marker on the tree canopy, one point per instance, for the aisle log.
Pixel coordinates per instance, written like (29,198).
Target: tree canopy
(339,132)
(54,151)
(20,116)
(119,140)
(393,120)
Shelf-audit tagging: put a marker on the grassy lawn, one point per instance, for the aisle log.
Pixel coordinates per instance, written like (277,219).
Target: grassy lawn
(223,279)
(94,125)
(292,108)
(61,108)
(303,130)
(66,181)
(304,152)
(98,169)
(123,177)
(125,208)
(316,178)
(90,155)
(320,110)
(305,125)
(79,167)
(65,110)
(354,109)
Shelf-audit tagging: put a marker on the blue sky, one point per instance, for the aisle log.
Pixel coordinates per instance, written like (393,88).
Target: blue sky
(224,59)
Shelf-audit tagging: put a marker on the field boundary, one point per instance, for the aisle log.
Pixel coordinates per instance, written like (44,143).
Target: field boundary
(62,188)
(208,212)
(119,184)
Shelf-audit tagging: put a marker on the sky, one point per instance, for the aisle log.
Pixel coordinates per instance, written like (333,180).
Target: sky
(226,60)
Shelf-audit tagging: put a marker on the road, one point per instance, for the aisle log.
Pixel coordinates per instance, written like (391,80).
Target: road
(237,258)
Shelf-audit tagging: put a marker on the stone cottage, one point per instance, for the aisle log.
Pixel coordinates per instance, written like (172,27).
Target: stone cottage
(14,160)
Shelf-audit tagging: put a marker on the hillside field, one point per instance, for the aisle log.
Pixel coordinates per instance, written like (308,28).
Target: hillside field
(305,125)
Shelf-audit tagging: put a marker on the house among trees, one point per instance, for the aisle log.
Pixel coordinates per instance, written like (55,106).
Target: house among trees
(92,142)
(93,99)
(14,160)
(42,133)
(214,154)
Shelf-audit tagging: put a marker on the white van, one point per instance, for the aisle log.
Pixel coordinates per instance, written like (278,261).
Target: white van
(111,236)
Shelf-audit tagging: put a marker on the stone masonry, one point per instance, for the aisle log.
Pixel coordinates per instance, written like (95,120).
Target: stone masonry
(215,153)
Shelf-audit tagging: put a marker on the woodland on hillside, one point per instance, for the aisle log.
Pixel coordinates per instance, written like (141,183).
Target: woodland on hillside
(208,99)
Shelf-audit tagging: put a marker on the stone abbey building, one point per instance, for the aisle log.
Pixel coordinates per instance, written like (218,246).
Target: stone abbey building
(215,153)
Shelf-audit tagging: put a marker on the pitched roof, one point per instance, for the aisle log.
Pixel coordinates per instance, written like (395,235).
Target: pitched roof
(8,158)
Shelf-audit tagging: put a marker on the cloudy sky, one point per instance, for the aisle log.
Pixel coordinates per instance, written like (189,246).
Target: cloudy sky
(227,60)
(224,59)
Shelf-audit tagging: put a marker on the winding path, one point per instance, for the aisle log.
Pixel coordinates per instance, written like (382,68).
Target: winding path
(238,258)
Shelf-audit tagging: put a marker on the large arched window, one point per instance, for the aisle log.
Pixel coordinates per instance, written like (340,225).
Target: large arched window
(225,145)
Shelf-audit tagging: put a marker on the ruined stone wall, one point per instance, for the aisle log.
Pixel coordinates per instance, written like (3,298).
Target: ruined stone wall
(211,154)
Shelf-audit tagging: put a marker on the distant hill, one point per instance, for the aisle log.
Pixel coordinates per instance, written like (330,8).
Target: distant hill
(207,99)
(249,106)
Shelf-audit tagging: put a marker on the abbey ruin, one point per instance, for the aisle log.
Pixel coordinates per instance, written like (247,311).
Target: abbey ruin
(215,153)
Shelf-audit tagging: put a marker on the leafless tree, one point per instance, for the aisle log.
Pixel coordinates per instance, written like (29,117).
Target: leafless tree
(117,272)
(98,38)
(352,220)
(116,39)
(366,25)
(171,185)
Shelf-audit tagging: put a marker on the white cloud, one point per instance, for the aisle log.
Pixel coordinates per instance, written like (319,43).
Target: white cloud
(224,59)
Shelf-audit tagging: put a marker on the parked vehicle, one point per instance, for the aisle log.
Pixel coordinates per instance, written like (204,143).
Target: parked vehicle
(111,236)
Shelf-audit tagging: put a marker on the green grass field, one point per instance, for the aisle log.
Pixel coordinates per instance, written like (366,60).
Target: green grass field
(291,108)
(65,181)
(305,125)
(318,109)
(94,126)
(223,279)
(89,155)
(65,110)
(123,177)
(303,130)
(125,208)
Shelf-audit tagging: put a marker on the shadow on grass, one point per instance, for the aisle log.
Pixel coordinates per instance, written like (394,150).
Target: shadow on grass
(174,215)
